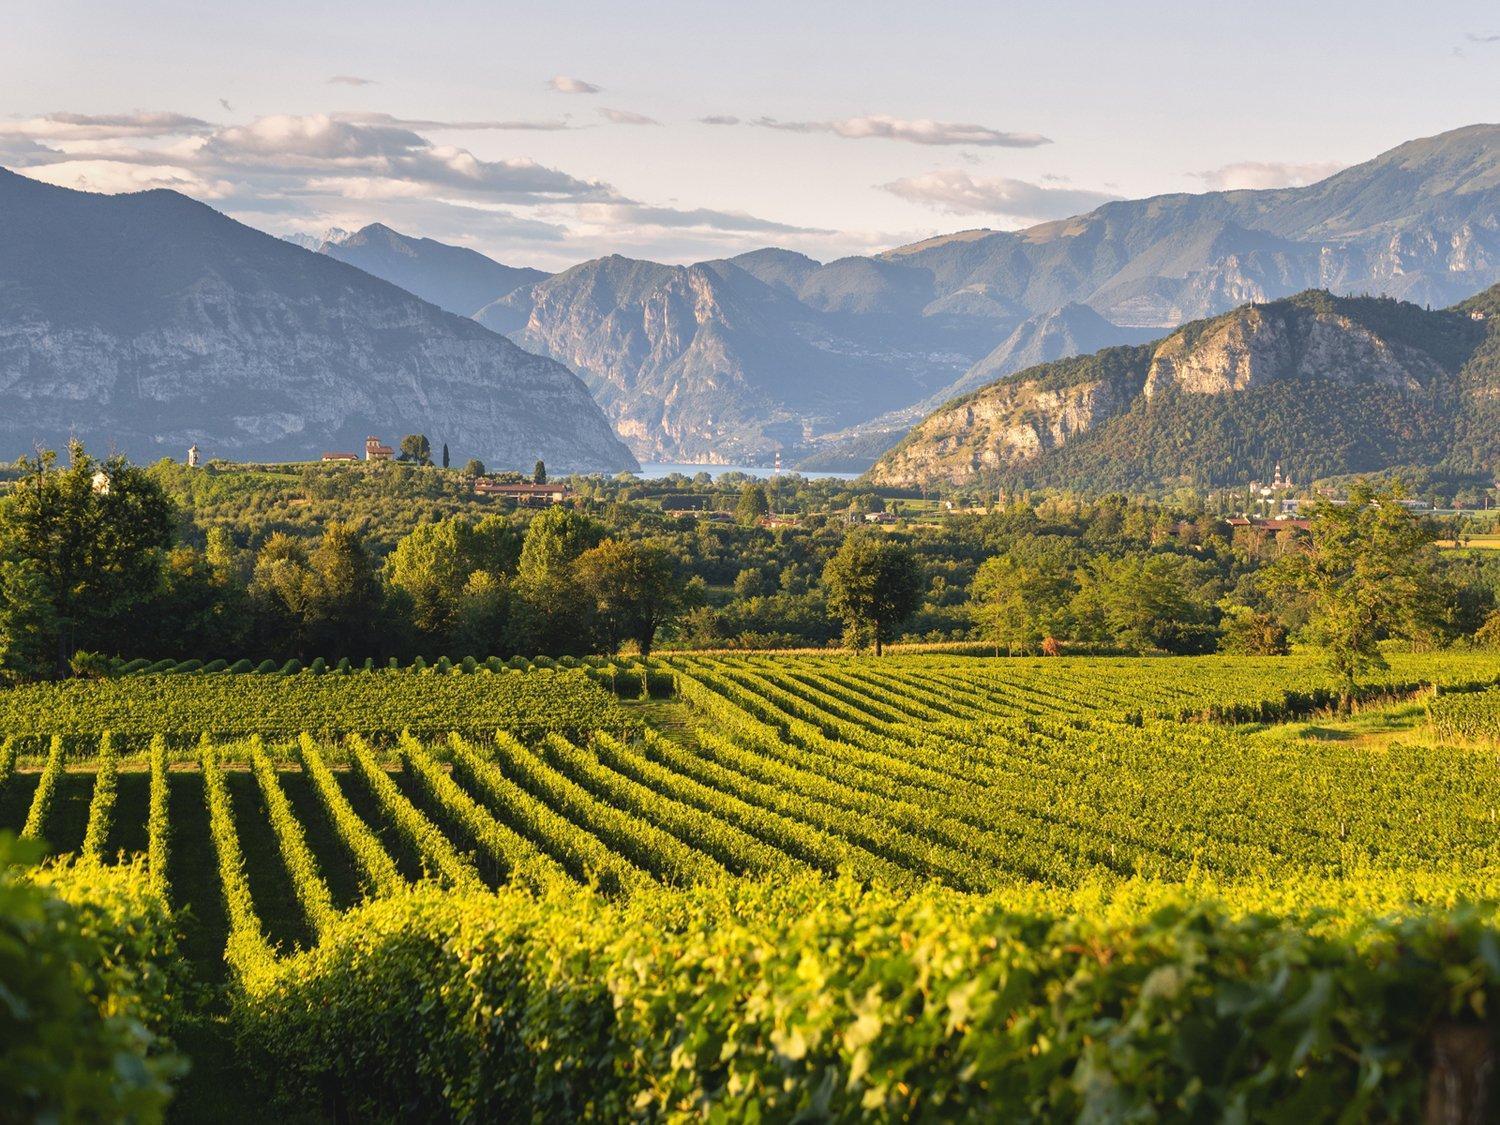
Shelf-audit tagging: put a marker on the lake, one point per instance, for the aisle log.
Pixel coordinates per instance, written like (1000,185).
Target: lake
(655,470)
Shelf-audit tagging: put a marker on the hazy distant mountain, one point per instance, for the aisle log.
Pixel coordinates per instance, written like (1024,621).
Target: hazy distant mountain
(147,322)
(712,362)
(1322,385)
(315,242)
(694,362)
(454,278)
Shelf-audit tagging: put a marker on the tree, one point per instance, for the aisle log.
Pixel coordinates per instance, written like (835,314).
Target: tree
(432,566)
(1149,602)
(96,534)
(346,594)
(445,454)
(1363,570)
(637,587)
(1020,598)
(555,538)
(1249,632)
(753,505)
(474,468)
(874,584)
(539,472)
(416,448)
(27,621)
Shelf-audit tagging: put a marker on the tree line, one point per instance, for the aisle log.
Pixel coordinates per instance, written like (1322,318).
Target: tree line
(106,557)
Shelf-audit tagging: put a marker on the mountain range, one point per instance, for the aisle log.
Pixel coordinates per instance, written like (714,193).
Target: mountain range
(829,364)
(1316,384)
(147,322)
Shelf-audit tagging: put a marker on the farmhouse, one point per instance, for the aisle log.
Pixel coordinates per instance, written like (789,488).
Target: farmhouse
(374,451)
(341,456)
(530,495)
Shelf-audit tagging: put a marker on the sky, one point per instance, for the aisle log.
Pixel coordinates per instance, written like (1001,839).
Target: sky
(547,134)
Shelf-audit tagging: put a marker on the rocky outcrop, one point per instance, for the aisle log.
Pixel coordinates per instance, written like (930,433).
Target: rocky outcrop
(1255,346)
(148,322)
(1341,385)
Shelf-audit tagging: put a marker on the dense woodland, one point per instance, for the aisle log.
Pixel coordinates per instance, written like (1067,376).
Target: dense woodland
(403,559)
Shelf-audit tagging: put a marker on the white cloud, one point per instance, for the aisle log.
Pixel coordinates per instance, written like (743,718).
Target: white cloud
(958,193)
(441,126)
(921,132)
(626,117)
(638,215)
(1475,37)
(330,148)
(565,85)
(719,119)
(351,80)
(1266,174)
(105,126)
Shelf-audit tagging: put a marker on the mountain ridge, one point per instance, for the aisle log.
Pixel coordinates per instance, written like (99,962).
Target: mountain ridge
(1321,384)
(149,321)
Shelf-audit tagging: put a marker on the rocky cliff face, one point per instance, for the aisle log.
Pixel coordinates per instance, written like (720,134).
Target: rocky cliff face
(709,362)
(148,322)
(1264,343)
(1337,385)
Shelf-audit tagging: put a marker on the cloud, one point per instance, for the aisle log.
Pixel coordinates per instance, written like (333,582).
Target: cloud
(1266,174)
(920,132)
(719,119)
(439,126)
(106,126)
(637,214)
(565,85)
(626,117)
(319,145)
(958,193)
(351,80)
(1475,37)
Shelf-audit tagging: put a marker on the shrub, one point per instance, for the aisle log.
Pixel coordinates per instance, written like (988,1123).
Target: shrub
(83,968)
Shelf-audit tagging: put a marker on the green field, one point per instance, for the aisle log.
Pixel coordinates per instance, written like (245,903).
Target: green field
(921,886)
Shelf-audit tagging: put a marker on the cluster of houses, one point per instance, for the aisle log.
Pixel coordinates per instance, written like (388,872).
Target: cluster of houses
(524,494)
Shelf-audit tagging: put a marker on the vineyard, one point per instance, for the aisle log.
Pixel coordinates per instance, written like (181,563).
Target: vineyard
(580,869)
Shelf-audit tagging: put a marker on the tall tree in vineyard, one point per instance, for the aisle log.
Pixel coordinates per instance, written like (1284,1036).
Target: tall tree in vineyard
(1365,573)
(637,587)
(874,584)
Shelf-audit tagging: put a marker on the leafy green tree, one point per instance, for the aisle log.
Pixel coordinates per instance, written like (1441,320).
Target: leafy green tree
(281,593)
(97,533)
(553,614)
(1364,571)
(445,454)
(346,595)
(1249,632)
(555,538)
(416,448)
(1149,603)
(637,588)
(753,505)
(474,468)
(28,621)
(432,566)
(539,472)
(874,584)
(484,612)
(1021,598)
